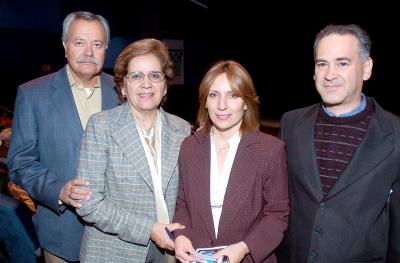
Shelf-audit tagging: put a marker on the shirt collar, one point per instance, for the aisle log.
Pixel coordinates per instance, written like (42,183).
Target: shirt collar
(355,111)
(74,84)
(235,139)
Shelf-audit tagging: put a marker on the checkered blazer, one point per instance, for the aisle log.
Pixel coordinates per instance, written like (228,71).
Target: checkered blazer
(120,215)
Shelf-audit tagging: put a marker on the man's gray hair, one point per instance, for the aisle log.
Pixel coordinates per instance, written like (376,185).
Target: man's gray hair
(364,41)
(87,16)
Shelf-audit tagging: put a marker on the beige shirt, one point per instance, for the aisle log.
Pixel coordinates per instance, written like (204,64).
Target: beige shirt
(153,155)
(87,99)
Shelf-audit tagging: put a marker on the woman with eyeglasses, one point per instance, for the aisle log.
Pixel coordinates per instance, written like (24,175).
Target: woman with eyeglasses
(233,179)
(129,156)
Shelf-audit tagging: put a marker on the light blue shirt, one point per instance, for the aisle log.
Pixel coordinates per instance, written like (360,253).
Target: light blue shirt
(357,110)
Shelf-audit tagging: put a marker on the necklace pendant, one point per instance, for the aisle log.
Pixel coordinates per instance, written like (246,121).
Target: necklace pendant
(220,150)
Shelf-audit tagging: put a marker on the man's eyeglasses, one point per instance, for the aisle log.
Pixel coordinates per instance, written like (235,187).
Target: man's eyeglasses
(137,76)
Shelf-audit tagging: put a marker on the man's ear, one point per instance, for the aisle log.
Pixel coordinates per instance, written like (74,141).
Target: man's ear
(367,68)
(65,48)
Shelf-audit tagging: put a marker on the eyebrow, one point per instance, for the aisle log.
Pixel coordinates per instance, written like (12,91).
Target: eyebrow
(320,60)
(337,59)
(215,91)
(343,59)
(151,71)
(85,40)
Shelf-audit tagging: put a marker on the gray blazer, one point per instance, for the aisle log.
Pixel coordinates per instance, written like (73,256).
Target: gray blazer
(359,219)
(121,212)
(43,154)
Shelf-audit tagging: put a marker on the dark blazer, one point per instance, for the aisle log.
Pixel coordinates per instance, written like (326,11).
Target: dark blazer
(358,220)
(255,208)
(43,153)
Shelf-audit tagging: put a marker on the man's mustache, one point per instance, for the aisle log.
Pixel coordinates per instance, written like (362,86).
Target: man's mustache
(88,60)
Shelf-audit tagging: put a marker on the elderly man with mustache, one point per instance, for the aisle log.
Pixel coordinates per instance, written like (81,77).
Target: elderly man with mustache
(50,116)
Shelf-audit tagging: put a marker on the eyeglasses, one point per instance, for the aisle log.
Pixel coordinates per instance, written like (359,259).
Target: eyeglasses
(137,76)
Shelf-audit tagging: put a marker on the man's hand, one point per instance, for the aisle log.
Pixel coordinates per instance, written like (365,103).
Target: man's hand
(74,191)
(160,237)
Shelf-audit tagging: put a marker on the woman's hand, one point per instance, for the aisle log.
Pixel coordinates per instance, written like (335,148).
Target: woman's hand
(184,250)
(235,252)
(160,237)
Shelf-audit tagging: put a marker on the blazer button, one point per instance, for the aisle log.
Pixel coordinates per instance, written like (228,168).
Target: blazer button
(313,256)
(318,230)
(322,205)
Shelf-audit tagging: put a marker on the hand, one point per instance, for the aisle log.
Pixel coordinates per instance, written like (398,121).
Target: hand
(5,136)
(160,236)
(72,192)
(184,249)
(235,252)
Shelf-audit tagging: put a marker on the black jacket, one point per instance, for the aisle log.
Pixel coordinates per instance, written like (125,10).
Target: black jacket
(359,219)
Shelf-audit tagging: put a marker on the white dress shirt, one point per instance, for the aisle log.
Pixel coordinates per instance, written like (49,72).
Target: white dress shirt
(219,181)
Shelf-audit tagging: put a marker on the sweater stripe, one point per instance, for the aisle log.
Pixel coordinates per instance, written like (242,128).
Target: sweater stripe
(335,140)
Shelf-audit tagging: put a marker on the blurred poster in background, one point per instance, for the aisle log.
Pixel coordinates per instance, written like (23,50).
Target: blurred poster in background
(176,52)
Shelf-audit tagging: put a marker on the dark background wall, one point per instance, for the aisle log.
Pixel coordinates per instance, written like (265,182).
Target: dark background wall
(274,43)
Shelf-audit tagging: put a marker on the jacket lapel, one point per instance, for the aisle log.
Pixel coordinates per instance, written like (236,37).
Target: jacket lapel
(127,137)
(304,133)
(240,182)
(375,148)
(202,181)
(108,93)
(169,149)
(64,103)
